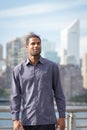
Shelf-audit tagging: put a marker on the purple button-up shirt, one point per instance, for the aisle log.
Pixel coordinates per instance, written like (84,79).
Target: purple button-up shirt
(35,87)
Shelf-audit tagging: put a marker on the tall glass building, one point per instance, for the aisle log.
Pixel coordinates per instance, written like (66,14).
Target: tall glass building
(48,50)
(70,44)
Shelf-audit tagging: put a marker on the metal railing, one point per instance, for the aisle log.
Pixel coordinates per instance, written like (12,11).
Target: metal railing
(71,117)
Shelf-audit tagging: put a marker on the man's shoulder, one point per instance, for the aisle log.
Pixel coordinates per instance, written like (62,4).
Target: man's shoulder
(20,65)
(47,61)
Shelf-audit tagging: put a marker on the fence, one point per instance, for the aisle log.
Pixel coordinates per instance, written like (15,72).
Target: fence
(71,117)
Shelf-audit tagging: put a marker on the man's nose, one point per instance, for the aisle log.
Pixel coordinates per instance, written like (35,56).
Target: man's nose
(36,44)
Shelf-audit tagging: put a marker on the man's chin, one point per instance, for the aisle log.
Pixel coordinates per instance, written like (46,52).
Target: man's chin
(36,54)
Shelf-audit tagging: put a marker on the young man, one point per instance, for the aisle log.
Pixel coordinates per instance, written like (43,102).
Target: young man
(35,84)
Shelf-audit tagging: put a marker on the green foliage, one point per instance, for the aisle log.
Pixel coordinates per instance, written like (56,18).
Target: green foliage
(4,93)
(82,98)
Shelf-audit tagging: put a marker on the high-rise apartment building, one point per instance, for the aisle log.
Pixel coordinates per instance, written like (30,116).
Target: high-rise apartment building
(71,80)
(14,51)
(2,61)
(70,44)
(1,52)
(84,70)
(13,48)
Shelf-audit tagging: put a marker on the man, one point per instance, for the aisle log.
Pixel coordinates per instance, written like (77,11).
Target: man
(35,84)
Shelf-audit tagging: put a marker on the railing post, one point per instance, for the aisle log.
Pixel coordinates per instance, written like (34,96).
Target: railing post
(68,124)
(73,121)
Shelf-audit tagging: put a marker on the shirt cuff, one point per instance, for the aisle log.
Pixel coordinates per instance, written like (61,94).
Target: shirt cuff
(62,115)
(15,117)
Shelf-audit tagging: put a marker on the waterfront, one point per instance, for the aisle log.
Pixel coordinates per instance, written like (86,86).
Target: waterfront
(8,123)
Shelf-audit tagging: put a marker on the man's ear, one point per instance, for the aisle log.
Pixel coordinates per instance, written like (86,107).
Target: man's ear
(26,46)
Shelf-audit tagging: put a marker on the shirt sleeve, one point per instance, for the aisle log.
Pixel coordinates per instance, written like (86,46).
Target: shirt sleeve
(58,92)
(15,96)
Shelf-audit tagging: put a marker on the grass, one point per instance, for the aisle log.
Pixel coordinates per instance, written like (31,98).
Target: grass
(82,98)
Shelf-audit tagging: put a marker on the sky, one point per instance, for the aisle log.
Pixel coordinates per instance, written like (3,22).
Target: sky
(47,18)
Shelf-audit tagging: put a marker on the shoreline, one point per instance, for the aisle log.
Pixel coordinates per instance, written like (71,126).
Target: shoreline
(68,103)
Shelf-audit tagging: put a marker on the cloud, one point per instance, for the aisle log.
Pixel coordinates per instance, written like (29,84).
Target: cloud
(40,8)
(28,10)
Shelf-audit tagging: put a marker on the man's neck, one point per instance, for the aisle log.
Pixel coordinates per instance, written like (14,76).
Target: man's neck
(34,59)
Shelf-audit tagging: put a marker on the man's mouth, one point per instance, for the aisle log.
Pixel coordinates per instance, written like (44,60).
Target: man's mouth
(36,50)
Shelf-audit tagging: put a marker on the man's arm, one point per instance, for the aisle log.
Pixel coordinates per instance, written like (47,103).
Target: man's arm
(59,97)
(15,98)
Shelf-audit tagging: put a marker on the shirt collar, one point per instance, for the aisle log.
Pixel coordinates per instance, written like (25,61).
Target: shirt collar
(41,60)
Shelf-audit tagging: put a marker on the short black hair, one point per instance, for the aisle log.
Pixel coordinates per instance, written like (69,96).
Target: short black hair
(31,35)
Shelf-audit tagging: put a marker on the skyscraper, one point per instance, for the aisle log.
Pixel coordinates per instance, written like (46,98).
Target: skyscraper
(1,52)
(84,70)
(70,44)
(14,51)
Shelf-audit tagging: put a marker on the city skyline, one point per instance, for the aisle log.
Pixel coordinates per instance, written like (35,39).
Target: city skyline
(46,18)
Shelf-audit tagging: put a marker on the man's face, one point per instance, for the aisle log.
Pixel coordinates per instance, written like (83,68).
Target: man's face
(34,46)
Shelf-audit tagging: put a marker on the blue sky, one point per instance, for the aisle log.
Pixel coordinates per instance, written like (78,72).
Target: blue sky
(47,18)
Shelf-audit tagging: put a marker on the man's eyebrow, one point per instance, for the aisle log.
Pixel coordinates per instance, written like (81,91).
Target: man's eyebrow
(35,42)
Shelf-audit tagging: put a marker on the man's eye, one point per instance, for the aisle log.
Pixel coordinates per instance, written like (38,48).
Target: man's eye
(33,43)
(38,43)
